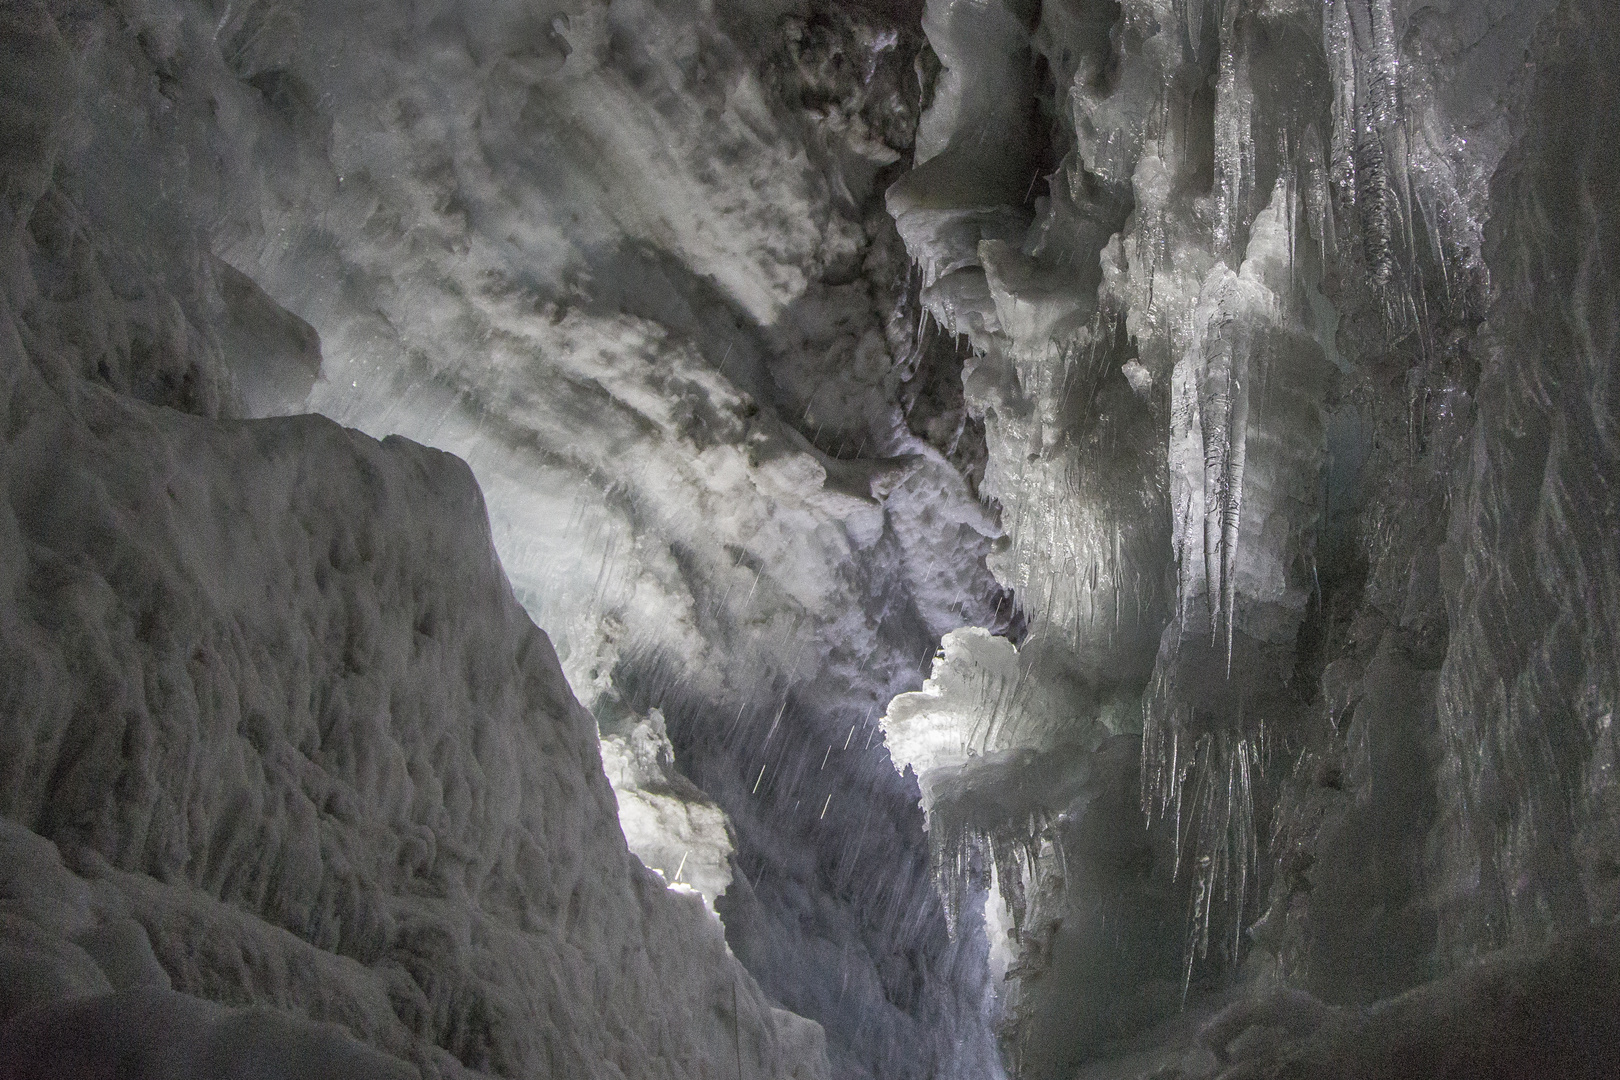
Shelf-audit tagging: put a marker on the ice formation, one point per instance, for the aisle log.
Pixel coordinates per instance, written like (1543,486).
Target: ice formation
(1079,536)
(629,262)
(1252,317)
(279,733)
(669,824)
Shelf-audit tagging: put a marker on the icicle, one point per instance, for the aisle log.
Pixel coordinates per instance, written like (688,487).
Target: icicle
(1384,63)
(1238,427)
(1318,204)
(1234,140)
(1338,43)
(1215,404)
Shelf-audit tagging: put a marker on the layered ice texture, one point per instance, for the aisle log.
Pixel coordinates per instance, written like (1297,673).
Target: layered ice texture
(1292,333)
(627,261)
(292,786)
(1217,394)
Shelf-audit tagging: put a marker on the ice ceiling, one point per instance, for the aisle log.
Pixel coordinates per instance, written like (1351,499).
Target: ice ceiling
(1087,529)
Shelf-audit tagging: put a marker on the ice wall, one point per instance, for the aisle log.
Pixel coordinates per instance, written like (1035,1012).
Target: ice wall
(627,260)
(669,824)
(1246,378)
(292,786)
(1529,683)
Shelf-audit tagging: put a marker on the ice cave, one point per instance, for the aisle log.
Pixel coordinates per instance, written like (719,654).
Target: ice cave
(809,539)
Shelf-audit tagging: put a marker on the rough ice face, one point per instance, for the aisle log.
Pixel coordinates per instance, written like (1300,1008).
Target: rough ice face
(670,825)
(151,1033)
(1235,372)
(1528,687)
(627,261)
(267,690)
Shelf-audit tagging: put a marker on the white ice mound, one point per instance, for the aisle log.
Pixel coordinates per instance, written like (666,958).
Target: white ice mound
(935,727)
(670,825)
(265,688)
(986,698)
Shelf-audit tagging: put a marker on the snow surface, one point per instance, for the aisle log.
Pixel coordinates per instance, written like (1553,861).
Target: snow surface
(277,734)
(627,261)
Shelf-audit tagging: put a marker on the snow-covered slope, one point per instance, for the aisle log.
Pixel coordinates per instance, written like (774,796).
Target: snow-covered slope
(268,693)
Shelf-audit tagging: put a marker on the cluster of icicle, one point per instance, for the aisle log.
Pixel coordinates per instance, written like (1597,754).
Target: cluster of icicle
(1073,527)
(1203,786)
(962,850)
(1355,197)
(1221,298)
(1001,702)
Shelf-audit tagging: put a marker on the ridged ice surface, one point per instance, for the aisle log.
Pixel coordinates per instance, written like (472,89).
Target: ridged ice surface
(1529,686)
(1297,394)
(277,736)
(629,262)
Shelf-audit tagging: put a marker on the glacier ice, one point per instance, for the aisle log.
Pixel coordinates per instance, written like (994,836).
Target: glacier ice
(1083,532)
(278,732)
(1242,381)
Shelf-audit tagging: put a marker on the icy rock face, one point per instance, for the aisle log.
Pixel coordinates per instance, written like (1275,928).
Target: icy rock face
(1528,688)
(267,691)
(1247,381)
(628,261)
